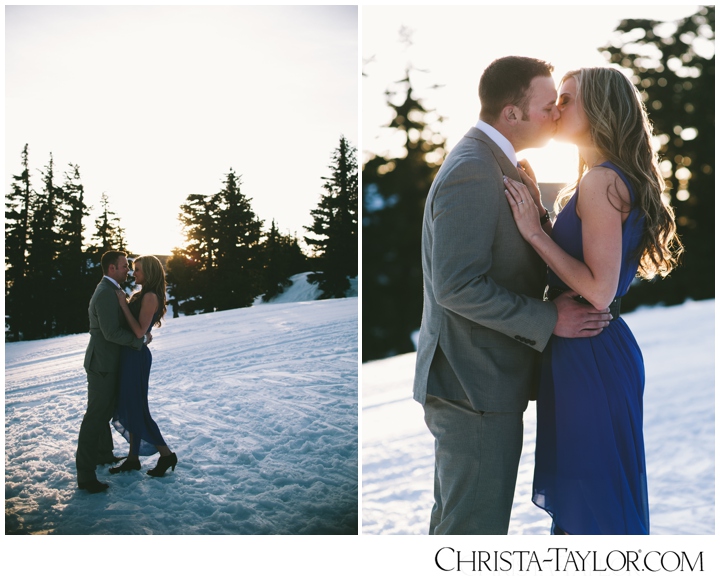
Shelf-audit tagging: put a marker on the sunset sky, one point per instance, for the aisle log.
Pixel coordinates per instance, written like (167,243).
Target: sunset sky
(155,103)
(453,45)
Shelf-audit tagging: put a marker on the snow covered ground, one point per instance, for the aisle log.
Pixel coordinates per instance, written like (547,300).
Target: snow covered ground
(679,428)
(260,404)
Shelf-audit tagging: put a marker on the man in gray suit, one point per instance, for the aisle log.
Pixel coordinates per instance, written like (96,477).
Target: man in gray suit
(108,332)
(484,323)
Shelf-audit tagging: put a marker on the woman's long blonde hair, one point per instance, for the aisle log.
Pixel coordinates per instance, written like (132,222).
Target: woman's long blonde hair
(621,131)
(154,282)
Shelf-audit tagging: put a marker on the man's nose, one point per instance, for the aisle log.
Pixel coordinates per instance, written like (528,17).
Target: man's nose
(556,113)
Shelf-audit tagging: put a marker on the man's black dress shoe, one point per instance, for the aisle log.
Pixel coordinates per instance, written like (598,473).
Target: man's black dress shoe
(127,466)
(111,460)
(93,486)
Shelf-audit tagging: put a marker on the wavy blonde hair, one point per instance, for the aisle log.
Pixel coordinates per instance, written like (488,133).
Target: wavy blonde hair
(154,282)
(621,131)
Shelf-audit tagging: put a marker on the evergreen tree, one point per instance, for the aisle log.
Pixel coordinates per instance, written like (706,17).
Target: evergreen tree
(281,258)
(335,225)
(18,208)
(184,286)
(42,277)
(394,192)
(191,270)
(673,67)
(109,233)
(75,284)
(221,266)
(239,267)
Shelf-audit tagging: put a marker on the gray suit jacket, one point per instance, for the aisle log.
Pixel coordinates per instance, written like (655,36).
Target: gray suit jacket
(108,331)
(484,323)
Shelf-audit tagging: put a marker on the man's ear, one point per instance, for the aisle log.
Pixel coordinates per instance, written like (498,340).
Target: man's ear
(511,114)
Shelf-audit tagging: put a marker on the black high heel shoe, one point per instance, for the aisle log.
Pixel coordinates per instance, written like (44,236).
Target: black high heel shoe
(164,462)
(126,466)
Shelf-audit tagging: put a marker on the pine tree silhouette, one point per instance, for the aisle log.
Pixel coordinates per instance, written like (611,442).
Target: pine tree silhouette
(221,267)
(394,192)
(75,281)
(281,258)
(335,225)
(42,278)
(238,245)
(18,209)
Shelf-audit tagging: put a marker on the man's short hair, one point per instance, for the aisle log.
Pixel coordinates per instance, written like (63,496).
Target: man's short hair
(110,258)
(506,81)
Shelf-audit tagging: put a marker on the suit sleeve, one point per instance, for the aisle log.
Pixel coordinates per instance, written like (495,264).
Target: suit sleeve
(465,216)
(109,317)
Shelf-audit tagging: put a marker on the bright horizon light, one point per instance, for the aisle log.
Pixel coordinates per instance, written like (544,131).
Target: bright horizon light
(451,46)
(158,102)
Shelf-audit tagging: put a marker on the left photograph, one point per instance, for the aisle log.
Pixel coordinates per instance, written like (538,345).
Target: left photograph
(181,270)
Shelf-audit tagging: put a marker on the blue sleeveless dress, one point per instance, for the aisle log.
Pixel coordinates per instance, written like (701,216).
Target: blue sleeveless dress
(590,456)
(132,414)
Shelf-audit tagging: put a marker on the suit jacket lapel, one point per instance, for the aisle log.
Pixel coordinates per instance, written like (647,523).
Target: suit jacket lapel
(109,284)
(503,161)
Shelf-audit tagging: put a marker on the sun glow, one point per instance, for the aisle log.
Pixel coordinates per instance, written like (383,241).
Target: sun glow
(447,48)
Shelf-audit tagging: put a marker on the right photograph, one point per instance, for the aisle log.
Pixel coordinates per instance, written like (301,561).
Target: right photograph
(538,270)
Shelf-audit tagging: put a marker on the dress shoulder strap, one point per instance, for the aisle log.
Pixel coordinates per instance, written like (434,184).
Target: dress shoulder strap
(622,176)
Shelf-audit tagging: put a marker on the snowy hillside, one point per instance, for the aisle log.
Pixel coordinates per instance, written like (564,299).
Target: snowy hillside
(679,424)
(300,290)
(260,405)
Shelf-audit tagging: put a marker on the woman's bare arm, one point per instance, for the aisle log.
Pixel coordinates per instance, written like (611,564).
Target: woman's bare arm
(147,310)
(596,277)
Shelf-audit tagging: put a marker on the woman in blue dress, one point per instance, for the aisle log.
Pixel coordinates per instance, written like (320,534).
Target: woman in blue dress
(590,458)
(132,415)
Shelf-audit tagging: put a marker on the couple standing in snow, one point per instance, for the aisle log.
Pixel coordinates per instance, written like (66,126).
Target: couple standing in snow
(489,343)
(117,362)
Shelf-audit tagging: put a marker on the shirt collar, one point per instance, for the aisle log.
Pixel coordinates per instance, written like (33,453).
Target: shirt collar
(115,283)
(502,142)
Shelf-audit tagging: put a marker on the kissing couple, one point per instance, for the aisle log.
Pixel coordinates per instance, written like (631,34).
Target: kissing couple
(117,362)
(518,306)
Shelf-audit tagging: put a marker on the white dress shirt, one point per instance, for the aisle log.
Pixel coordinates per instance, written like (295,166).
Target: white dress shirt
(502,142)
(115,283)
